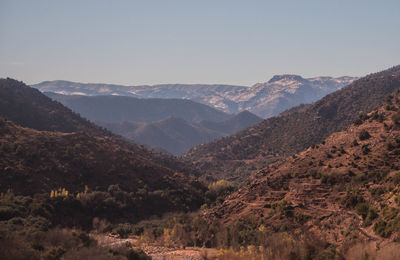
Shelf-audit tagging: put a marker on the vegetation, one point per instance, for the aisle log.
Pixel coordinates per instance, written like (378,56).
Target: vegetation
(292,132)
(29,229)
(28,107)
(345,188)
(83,160)
(58,189)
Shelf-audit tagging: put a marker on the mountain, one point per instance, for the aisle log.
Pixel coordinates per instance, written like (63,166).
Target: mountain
(40,160)
(233,124)
(237,155)
(263,99)
(29,108)
(172,134)
(282,92)
(113,109)
(177,136)
(343,189)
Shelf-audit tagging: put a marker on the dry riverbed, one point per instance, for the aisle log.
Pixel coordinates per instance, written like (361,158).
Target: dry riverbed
(156,252)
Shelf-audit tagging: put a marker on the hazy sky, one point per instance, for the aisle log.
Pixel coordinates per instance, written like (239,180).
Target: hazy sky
(205,41)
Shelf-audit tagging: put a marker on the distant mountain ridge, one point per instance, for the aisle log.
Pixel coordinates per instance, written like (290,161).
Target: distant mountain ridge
(112,109)
(167,125)
(177,136)
(263,99)
(238,155)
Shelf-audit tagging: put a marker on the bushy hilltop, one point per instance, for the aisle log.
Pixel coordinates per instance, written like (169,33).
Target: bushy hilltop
(29,108)
(83,157)
(343,189)
(237,155)
(34,161)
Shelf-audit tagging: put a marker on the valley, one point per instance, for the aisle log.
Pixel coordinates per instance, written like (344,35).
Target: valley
(199,130)
(75,188)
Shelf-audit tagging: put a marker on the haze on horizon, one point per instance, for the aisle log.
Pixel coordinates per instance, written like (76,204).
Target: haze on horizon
(177,41)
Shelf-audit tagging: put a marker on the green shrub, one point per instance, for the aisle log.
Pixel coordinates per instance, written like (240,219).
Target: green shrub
(381,228)
(371,216)
(362,209)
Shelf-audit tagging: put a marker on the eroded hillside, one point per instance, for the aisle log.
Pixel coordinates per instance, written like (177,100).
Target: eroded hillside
(345,188)
(236,156)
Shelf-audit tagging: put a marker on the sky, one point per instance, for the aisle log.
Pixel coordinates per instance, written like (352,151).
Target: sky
(238,42)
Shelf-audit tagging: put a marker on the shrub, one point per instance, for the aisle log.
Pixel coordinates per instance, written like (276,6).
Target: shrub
(123,229)
(137,255)
(372,214)
(365,149)
(364,135)
(362,209)
(381,228)
(330,178)
(396,118)
(54,253)
(352,198)
(396,178)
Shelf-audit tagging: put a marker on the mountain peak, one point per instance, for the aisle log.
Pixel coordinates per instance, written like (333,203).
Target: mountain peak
(286,77)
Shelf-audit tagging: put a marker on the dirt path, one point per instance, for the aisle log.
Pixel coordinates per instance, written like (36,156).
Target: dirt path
(156,252)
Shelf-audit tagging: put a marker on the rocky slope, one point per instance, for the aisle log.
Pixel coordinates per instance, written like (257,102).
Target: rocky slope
(263,99)
(237,155)
(345,188)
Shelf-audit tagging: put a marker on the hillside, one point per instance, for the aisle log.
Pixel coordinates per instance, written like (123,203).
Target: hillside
(28,107)
(34,161)
(111,109)
(343,189)
(84,156)
(177,136)
(237,155)
(172,134)
(263,99)
(233,124)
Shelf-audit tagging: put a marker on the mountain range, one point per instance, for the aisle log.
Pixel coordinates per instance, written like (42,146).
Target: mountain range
(45,146)
(112,109)
(236,156)
(168,125)
(176,136)
(263,99)
(315,180)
